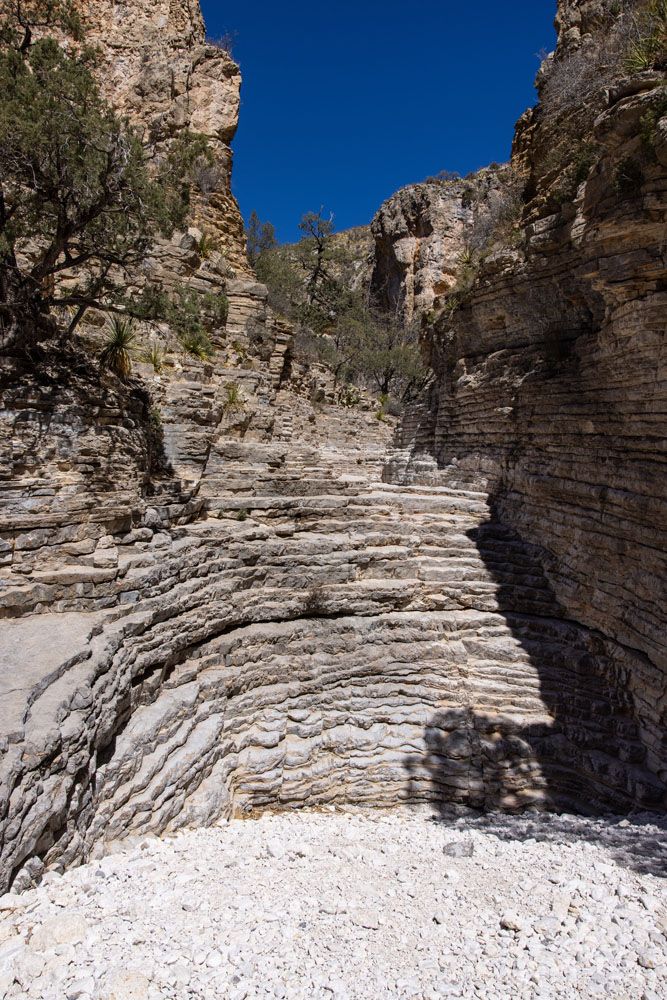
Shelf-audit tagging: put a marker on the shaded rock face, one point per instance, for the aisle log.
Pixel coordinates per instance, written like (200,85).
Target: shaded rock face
(419,235)
(266,602)
(550,386)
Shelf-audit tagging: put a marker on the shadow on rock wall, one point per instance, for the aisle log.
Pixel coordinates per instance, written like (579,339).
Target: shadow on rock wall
(573,744)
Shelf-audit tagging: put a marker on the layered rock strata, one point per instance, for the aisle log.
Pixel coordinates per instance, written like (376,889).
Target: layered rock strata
(228,609)
(315,637)
(550,376)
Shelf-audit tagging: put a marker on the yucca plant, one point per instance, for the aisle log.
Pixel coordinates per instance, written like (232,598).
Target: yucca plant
(154,356)
(641,55)
(197,343)
(233,399)
(206,246)
(649,49)
(467,257)
(116,355)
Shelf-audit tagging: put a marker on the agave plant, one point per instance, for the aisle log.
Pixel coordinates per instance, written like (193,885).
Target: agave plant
(116,355)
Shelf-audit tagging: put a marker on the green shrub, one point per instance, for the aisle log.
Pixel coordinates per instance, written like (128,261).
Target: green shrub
(191,315)
(216,307)
(234,400)
(116,354)
(628,178)
(206,246)
(196,343)
(78,193)
(381,414)
(349,395)
(154,355)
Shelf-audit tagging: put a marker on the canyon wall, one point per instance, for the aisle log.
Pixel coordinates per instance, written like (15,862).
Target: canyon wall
(158,68)
(419,236)
(222,593)
(549,387)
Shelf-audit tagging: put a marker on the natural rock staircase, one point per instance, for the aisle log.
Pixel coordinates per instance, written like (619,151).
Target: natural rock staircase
(314,635)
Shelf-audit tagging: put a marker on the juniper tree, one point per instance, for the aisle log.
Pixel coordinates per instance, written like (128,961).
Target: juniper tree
(313,283)
(261,236)
(78,205)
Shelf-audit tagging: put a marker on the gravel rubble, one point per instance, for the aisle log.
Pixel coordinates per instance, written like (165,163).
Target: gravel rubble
(349,904)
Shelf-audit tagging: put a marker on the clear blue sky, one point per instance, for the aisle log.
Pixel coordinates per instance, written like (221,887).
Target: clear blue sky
(347,101)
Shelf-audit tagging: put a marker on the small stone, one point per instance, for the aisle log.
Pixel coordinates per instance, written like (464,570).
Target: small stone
(12,901)
(459,849)
(68,928)
(160,540)
(370,919)
(127,984)
(152,518)
(105,558)
(512,921)
(560,906)
(275,848)
(80,988)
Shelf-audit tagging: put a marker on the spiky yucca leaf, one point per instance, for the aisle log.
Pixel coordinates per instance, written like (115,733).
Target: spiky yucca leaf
(116,355)
(154,355)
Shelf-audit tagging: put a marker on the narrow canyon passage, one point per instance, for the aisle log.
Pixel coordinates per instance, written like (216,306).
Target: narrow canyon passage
(372,644)
(332,573)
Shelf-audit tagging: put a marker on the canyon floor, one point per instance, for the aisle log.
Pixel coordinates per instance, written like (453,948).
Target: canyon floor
(353,904)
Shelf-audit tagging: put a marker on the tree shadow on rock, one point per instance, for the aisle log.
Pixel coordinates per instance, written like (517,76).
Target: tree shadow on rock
(548,720)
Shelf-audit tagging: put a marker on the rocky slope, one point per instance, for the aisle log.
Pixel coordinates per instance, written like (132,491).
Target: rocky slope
(256,602)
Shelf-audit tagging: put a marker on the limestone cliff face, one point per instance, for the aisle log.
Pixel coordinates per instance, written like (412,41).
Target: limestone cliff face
(257,601)
(81,455)
(550,382)
(420,235)
(158,69)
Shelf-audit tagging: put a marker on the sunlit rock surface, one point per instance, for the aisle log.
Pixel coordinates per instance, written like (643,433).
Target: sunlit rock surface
(272,600)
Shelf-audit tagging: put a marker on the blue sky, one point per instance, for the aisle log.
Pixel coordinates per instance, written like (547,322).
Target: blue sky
(343,103)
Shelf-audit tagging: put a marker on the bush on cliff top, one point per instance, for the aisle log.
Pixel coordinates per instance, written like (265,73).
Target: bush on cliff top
(313,284)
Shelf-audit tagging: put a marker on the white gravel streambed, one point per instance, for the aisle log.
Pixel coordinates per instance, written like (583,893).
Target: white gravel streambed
(353,904)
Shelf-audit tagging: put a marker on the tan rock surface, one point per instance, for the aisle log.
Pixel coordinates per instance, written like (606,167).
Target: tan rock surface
(262,622)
